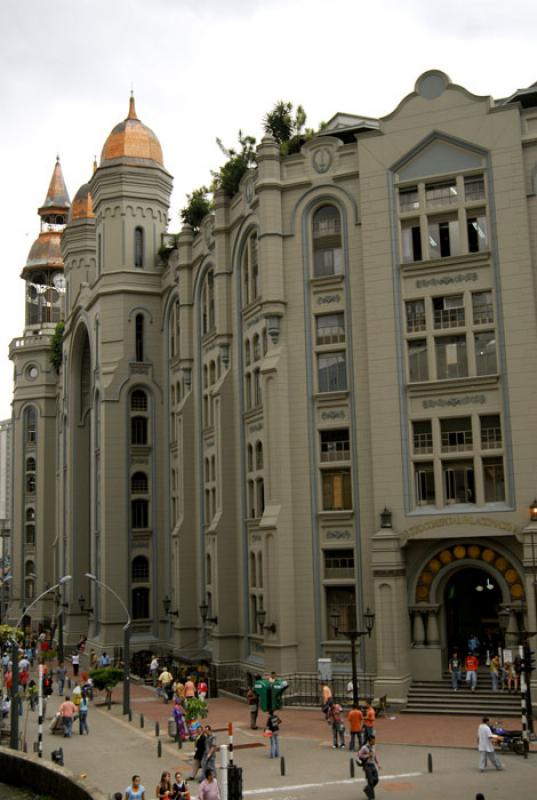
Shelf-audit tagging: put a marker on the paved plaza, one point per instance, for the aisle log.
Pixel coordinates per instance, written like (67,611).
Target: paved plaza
(117,748)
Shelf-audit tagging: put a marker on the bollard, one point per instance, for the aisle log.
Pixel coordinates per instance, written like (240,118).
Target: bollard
(130,715)
(141,720)
(282,766)
(429,763)
(159,749)
(352,767)
(157,729)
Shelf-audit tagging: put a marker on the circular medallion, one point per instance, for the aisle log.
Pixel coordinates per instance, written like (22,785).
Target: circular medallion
(501,564)
(474,551)
(435,565)
(249,190)
(459,551)
(517,591)
(322,160)
(32,372)
(511,576)
(446,557)
(488,555)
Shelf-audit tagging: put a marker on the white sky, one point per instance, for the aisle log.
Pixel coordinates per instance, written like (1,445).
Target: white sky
(205,68)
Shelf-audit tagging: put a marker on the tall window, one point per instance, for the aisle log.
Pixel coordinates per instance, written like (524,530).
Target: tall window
(138,247)
(30,425)
(140,603)
(138,400)
(208,320)
(250,271)
(29,536)
(332,372)
(139,336)
(140,569)
(451,359)
(140,513)
(330,328)
(327,246)
(336,486)
(139,483)
(139,430)
(30,475)
(340,600)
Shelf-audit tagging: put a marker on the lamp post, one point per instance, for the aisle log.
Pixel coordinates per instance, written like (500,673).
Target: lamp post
(126,643)
(167,603)
(353,636)
(14,739)
(261,617)
(204,610)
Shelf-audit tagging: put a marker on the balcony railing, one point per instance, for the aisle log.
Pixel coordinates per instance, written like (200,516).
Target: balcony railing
(491,438)
(335,451)
(456,441)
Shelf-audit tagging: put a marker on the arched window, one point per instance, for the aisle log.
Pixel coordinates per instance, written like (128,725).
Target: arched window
(250,458)
(327,249)
(253,578)
(213,468)
(212,372)
(260,496)
(140,569)
(257,348)
(29,580)
(139,336)
(250,271)
(258,455)
(140,514)
(140,603)
(138,400)
(247,352)
(260,569)
(30,425)
(251,500)
(29,528)
(205,376)
(207,470)
(208,569)
(257,387)
(138,247)
(139,430)
(139,483)
(208,320)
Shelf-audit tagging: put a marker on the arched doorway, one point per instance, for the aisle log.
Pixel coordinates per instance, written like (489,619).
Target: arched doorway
(472,599)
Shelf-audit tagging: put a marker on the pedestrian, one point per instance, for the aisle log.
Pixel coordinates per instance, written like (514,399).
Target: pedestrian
(356,721)
(83,714)
(190,688)
(273,728)
(209,756)
(179,718)
(199,752)
(164,789)
(327,699)
(135,791)
(76,694)
(349,690)
(369,722)
(104,660)
(253,704)
(495,672)
(180,788)
(471,664)
(67,710)
(75,661)
(485,740)
(61,674)
(454,667)
(367,757)
(154,670)
(209,787)
(93,659)
(473,644)
(335,720)
(32,695)
(202,689)
(165,681)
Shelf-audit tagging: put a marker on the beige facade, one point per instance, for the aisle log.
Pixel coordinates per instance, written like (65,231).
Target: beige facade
(351,333)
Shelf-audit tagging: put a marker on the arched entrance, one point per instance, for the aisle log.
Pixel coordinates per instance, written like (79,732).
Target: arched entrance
(472,599)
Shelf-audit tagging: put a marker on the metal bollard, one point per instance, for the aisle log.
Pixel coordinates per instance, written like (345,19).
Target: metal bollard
(352,767)
(429,763)
(157,729)
(141,720)
(159,749)
(282,766)
(130,715)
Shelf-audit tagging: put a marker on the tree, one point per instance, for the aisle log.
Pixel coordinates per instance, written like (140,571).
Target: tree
(56,346)
(8,633)
(105,678)
(197,207)
(238,162)
(286,128)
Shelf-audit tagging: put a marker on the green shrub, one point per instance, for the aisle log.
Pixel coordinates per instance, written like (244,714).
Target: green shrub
(197,207)
(56,347)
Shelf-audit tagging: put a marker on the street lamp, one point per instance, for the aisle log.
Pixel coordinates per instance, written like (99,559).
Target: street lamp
(14,739)
(167,603)
(261,617)
(3,582)
(353,635)
(204,610)
(126,642)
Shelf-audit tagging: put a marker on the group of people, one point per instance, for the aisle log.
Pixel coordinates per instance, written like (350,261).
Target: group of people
(504,677)
(181,688)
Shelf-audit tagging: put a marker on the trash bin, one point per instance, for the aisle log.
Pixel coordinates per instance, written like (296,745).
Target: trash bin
(172,727)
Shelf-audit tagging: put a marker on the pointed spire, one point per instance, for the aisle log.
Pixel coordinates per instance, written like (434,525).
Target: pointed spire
(57,195)
(95,164)
(132,110)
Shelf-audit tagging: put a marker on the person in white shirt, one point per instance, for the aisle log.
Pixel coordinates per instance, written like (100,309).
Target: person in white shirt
(486,739)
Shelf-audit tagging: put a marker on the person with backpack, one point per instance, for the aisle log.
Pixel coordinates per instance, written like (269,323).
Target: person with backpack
(367,759)
(273,729)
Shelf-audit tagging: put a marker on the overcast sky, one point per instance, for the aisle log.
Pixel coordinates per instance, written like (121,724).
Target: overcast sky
(205,68)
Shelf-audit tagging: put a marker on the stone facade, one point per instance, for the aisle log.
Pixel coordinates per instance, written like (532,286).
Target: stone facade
(351,331)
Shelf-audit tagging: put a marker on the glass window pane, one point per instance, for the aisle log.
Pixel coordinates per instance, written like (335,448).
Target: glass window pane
(336,487)
(332,372)
(451,357)
(485,353)
(422,437)
(491,432)
(441,194)
(482,308)
(415,316)
(459,485)
(424,479)
(474,188)
(330,328)
(418,369)
(494,481)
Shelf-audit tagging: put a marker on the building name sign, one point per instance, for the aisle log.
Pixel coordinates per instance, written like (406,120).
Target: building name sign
(446,402)
(326,299)
(466,519)
(333,414)
(338,534)
(446,280)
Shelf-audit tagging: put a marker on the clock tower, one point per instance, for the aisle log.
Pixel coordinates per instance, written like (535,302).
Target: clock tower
(34,408)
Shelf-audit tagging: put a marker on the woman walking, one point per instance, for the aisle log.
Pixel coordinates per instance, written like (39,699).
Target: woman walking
(83,714)
(164,789)
(273,728)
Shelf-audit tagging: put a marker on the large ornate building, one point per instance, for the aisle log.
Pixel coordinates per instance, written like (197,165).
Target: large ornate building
(325,400)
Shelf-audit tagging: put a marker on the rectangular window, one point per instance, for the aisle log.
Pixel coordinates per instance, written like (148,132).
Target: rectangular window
(328,261)
(478,239)
(337,493)
(485,353)
(335,445)
(441,194)
(341,601)
(424,477)
(459,484)
(411,240)
(448,311)
(491,432)
(139,430)
(451,357)
(422,437)
(408,199)
(494,480)
(339,564)
(415,316)
(418,369)
(444,239)
(456,434)
(332,372)
(474,188)
(330,328)
(482,308)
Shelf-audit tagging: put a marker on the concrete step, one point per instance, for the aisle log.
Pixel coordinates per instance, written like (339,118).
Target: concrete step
(437,697)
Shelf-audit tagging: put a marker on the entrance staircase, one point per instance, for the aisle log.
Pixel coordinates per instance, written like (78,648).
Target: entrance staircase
(437,697)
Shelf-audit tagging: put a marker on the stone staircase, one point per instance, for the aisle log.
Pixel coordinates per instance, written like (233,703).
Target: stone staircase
(437,697)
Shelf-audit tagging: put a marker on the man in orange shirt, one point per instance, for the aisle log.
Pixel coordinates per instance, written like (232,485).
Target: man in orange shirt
(190,689)
(369,722)
(67,710)
(471,664)
(356,719)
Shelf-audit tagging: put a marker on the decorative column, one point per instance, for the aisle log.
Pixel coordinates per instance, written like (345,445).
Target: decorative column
(418,627)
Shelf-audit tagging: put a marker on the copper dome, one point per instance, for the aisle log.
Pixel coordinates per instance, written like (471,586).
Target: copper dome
(132,140)
(82,206)
(45,252)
